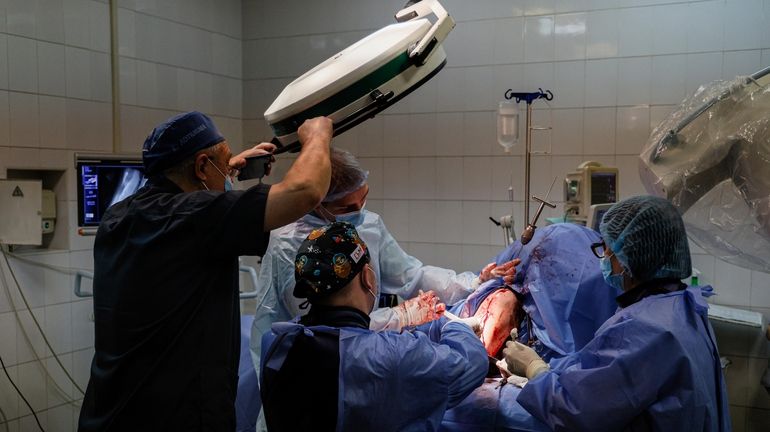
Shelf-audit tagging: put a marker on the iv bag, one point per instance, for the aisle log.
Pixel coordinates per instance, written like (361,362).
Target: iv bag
(508,124)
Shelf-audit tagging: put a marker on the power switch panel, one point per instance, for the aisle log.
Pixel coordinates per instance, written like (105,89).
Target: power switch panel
(21,212)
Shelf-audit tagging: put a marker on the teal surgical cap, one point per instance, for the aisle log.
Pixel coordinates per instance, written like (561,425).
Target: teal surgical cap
(647,235)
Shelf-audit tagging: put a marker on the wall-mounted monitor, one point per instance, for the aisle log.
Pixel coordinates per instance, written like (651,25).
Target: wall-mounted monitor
(104,180)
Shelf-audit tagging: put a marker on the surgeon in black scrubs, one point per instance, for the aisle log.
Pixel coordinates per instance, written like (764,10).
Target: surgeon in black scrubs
(166,303)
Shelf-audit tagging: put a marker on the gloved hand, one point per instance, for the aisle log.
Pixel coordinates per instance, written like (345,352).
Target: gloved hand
(522,360)
(506,270)
(419,310)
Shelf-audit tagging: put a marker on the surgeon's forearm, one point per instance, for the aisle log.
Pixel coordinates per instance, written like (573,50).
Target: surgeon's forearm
(311,172)
(304,185)
(384,319)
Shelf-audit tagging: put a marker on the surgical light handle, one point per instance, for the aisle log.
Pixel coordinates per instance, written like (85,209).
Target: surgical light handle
(437,33)
(378,101)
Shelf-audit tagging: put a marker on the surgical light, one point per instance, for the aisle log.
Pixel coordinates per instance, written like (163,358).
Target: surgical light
(367,77)
(508,124)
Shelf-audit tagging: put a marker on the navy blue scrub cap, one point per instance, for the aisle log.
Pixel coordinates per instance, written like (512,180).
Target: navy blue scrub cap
(176,139)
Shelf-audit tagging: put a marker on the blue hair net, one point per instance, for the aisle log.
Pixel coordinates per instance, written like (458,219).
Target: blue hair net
(647,236)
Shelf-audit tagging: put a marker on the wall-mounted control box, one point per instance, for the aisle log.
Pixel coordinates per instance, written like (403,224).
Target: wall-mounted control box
(21,211)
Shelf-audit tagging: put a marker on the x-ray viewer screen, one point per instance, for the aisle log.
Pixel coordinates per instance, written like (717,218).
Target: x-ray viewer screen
(102,184)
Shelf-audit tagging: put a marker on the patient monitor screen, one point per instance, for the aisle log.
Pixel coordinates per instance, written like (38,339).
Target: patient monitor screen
(104,183)
(598,219)
(603,187)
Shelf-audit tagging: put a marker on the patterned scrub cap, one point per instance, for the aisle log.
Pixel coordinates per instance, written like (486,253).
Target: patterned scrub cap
(328,259)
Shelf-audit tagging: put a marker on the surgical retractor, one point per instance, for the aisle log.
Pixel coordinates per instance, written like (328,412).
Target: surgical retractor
(529,231)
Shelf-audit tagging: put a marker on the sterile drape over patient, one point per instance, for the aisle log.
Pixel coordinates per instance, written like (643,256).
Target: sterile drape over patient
(560,290)
(564,300)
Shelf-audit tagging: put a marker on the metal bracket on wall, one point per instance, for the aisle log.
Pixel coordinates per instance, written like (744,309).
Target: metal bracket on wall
(80,274)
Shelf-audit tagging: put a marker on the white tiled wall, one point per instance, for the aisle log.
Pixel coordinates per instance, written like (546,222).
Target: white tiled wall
(55,99)
(179,56)
(616,67)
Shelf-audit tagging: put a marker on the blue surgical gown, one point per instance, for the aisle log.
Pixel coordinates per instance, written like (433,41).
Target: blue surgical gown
(397,273)
(654,365)
(491,407)
(391,381)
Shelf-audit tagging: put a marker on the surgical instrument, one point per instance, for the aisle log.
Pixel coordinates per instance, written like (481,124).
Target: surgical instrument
(529,231)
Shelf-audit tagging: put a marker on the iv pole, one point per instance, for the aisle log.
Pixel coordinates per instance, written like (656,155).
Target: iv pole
(528,98)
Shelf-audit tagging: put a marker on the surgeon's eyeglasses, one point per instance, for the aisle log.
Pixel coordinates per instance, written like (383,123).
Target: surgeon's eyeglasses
(599,249)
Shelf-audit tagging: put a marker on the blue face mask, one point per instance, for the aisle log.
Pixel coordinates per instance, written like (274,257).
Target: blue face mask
(355,218)
(228,180)
(613,280)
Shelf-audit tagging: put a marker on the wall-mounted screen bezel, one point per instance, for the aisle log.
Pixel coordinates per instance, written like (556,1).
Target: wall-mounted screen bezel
(99,178)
